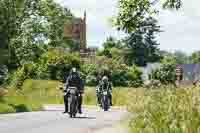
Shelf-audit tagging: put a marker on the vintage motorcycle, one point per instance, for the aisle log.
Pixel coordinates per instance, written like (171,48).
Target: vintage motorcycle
(73,95)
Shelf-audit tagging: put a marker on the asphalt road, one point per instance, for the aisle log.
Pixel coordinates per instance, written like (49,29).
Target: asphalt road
(53,121)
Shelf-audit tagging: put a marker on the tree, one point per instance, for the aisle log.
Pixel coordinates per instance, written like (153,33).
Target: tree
(169,59)
(28,27)
(172,4)
(132,13)
(137,18)
(141,44)
(181,57)
(108,45)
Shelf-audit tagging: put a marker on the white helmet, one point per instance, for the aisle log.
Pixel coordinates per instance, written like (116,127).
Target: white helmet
(73,69)
(105,79)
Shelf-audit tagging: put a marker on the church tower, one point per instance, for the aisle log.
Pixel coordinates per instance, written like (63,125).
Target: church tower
(83,37)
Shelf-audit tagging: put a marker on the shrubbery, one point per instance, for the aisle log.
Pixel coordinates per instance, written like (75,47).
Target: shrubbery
(18,103)
(166,74)
(51,65)
(56,64)
(121,74)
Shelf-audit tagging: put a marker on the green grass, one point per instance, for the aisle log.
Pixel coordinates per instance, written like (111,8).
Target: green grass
(165,110)
(47,92)
(119,96)
(34,93)
(31,97)
(13,104)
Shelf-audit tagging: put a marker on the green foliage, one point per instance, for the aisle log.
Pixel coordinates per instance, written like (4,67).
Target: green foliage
(22,108)
(51,65)
(27,27)
(165,111)
(120,77)
(127,76)
(169,59)
(195,58)
(16,102)
(133,13)
(58,62)
(108,45)
(16,80)
(5,108)
(141,45)
(166,74)
(91,80)
(138,18)
(181,57)
(177,57)
(3,74)
(121,74)
(90,73)
(134,77)
(172,4)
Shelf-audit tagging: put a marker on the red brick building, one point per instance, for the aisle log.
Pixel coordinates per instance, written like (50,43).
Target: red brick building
(77,30)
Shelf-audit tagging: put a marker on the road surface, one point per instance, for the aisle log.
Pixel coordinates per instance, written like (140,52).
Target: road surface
(53,121)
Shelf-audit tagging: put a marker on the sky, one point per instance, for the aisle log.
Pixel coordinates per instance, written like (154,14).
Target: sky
(181,29)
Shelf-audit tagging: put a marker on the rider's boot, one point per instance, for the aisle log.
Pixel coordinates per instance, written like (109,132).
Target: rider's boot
(110,100)
(66,105)
(80,105)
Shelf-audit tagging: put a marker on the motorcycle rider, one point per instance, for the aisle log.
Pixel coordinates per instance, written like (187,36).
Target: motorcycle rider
(104,84)
(74,80)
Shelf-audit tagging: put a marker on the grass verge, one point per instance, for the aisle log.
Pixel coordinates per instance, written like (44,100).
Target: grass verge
(34,93)
(165,110)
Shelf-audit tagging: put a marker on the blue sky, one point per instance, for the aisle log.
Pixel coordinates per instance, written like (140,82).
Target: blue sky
(181,28)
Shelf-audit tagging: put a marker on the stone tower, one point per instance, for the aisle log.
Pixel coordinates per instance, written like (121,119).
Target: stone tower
(83,40)
(77,30)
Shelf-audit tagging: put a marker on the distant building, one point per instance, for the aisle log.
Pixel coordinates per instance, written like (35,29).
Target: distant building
(191,72)
(77,31)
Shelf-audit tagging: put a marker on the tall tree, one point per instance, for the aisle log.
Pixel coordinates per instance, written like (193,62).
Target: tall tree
(28,26)
(141,44)
(137,18)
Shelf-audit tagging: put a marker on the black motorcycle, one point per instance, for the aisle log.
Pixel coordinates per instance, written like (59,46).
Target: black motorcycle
(72,101)
(105,101)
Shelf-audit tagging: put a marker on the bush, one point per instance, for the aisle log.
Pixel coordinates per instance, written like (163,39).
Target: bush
(52,65)
(134,77)
(5,108)
(91,80)
(17,78)
(121,74)
(22,108)
(166,74)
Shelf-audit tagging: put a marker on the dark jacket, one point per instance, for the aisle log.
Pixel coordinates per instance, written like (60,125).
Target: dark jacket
(74,80)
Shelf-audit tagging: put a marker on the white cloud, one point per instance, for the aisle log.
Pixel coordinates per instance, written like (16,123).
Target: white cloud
(191,7)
